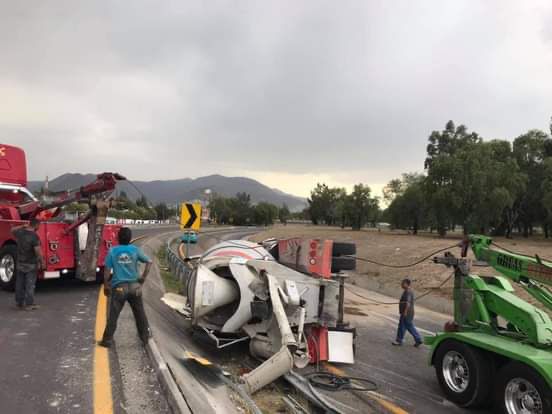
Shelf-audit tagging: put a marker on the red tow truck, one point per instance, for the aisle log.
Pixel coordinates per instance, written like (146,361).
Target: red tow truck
(59,238)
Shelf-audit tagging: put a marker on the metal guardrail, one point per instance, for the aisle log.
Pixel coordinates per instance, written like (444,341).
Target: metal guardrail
(178,267)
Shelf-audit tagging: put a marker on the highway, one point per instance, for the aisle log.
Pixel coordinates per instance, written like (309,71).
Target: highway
(49,364)
(47,356)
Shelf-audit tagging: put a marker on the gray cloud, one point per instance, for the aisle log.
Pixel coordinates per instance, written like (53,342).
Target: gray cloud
(350,90)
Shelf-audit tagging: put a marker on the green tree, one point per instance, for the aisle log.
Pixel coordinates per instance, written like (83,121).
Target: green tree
(284,214)
(452,175)
(264,213)
(531,151)
(361,206)
(408,208)
(323,204)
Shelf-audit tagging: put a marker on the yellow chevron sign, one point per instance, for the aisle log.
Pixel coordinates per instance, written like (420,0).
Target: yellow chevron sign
(190,216)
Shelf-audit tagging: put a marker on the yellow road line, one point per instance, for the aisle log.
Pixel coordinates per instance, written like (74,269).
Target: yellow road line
(389,406)
(134,240)
(103,399)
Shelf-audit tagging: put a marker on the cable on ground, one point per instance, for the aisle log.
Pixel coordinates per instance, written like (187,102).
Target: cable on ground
(332,382)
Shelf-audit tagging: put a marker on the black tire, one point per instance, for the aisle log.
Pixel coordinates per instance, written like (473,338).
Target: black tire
(522,374)
(8,256)
(343,263)
(343,249)
(473,391)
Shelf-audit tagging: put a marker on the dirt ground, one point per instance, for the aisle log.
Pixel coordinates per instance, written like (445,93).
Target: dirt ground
(399,248)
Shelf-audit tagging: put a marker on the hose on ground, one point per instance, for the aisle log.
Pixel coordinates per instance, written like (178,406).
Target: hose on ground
(332,382)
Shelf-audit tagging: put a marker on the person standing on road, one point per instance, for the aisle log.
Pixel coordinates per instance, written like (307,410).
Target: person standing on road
(123,283)
(29,261)
(406,312)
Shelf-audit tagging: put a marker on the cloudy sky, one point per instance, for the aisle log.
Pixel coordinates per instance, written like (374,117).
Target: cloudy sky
(287,92)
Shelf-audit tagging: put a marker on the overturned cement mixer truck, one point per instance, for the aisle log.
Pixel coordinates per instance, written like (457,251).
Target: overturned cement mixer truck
(283,296)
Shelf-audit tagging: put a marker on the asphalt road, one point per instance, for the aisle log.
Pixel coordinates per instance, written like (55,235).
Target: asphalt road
(47,355)
(402,374)
(46,361)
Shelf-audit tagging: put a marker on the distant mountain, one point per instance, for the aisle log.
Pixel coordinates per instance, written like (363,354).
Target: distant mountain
(174,191)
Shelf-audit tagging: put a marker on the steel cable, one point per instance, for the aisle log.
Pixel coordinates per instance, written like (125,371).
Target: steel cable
(363,259)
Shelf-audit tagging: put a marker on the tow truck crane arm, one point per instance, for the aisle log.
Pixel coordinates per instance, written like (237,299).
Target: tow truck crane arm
(531,273)
(104,182)
(480,300)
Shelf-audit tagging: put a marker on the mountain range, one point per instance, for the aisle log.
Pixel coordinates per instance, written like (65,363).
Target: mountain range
(185,189)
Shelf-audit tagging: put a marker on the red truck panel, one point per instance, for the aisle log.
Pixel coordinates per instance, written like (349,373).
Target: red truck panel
(58,248)
(13,165)
(311,256)
(109,236)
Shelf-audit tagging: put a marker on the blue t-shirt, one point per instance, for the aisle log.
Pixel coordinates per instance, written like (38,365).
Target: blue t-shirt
(124,260)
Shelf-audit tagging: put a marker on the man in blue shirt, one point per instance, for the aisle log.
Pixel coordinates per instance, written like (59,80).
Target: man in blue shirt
(123,283)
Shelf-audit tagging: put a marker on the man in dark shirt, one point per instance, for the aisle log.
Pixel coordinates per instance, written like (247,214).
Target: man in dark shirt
(406,312)
(29,262)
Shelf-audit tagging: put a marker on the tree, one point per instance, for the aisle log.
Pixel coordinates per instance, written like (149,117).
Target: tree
(361,207)
(163,212)
(264,213)
(531,151)
(142,202)
(452,181)
(284,214)
(323,204)
(408,208)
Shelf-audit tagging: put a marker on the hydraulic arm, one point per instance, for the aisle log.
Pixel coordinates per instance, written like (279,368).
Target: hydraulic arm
(104,182)
(480,301)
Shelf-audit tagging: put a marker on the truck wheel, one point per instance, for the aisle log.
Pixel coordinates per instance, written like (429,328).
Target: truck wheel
(343,263)
(8,255)
(343,249)
(521,390)
(465,375)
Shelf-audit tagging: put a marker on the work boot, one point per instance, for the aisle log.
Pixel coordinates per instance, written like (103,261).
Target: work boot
(105,344)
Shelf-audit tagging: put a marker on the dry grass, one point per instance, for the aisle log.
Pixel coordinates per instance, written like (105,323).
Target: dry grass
(399,247)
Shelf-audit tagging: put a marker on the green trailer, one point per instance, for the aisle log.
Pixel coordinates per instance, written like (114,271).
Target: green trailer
(498,349)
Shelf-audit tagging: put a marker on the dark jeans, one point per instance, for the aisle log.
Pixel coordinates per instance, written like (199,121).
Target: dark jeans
(406,324)
(25,282)
(131,293)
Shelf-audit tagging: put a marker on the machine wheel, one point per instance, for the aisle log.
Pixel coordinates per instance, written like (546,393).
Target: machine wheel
(343,249)
(8,255)
(465,375)
(521,390)
(343,263)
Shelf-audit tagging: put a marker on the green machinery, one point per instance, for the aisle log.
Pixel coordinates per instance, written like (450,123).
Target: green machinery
(498,350)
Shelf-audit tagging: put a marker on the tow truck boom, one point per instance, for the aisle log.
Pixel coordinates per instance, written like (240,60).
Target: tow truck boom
(531,273)
(104,182)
